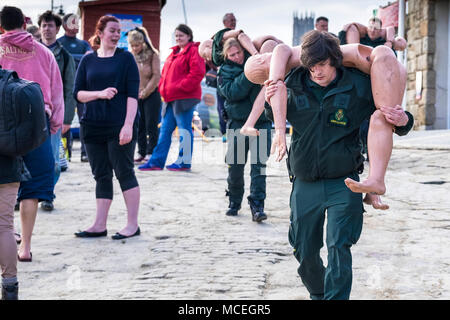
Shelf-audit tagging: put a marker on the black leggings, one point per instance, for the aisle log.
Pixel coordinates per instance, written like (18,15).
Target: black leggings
(108,156)
(149,111)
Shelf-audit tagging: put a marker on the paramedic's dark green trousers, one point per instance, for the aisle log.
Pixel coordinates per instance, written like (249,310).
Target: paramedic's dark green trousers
(238,147)
(309,202)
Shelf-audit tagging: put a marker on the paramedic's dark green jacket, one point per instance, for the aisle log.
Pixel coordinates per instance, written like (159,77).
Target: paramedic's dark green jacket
(217,47)
(238,91)
(325,141)
(364,40)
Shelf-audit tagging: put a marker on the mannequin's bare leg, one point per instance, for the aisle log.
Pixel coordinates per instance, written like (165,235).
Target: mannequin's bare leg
(247,43)
(375,201)
(280,58)
(277,71)
(268,46)
(248,129)
(279,107)
(278,102)
(353,35)
(258,42)
(388,78)
(356,55)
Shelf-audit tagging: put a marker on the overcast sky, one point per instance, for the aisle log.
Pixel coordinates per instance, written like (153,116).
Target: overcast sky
(255,17)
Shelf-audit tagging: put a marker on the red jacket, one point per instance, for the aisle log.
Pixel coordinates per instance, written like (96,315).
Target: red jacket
(182,74)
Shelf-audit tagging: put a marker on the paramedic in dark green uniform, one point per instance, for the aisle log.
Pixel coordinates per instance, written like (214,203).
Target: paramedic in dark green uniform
(373,36)
(240,95)
(326,105)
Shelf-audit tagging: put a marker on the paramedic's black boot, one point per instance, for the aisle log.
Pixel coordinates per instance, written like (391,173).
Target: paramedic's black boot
(233,209)
(257,207)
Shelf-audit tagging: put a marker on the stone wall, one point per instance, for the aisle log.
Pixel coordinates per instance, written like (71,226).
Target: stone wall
(420,29)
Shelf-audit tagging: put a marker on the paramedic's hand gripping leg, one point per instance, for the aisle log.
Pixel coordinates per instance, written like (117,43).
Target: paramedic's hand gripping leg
(388,78)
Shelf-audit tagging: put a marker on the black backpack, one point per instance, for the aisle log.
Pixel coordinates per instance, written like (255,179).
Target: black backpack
(23,124)
(211,78)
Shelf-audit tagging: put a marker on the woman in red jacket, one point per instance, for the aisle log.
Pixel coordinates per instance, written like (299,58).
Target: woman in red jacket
(180,88)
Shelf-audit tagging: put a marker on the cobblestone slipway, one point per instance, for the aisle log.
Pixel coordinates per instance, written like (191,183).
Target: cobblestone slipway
(189,249)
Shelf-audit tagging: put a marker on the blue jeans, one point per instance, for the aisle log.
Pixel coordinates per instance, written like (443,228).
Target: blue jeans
(56,142)
(170,121)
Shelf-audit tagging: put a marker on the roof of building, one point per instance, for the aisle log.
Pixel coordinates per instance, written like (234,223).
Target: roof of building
(102,2)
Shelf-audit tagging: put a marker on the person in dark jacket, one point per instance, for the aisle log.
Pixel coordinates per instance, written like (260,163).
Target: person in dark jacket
(326,105)
(272,67)
(49,24)
(34,62)
(240,95)
(373,35)
(180,88)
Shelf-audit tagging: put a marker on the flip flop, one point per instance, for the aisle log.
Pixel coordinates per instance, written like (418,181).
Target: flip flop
(25,259)
(18,237)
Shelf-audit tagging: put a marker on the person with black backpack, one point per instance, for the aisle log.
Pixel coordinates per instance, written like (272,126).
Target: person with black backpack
(34,62)
(23,128)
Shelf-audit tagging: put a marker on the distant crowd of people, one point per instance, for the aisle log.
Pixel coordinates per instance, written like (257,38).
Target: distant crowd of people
(325,89)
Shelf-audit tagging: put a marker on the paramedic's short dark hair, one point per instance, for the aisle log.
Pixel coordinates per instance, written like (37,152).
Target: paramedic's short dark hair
(318,46)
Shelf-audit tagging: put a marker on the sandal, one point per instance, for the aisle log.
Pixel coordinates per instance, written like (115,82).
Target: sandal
(18,237)
(25,259)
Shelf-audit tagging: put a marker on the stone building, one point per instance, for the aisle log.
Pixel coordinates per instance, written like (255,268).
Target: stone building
(301,25)
(427,26)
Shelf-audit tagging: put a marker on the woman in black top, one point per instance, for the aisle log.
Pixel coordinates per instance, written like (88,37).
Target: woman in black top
(107,82)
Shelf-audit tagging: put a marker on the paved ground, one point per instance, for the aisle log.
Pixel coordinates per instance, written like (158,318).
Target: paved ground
(189,249)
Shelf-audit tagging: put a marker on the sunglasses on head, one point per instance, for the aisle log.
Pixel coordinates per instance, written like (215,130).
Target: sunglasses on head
(142,32)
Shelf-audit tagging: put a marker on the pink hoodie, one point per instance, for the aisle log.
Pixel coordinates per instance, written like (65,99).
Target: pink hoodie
(34,62)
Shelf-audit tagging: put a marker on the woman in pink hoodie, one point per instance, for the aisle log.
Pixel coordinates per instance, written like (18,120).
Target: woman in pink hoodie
(34,62)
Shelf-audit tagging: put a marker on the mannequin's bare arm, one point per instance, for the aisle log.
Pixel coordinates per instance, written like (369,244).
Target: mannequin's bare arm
(282,57)
(243,39)
(276,63)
